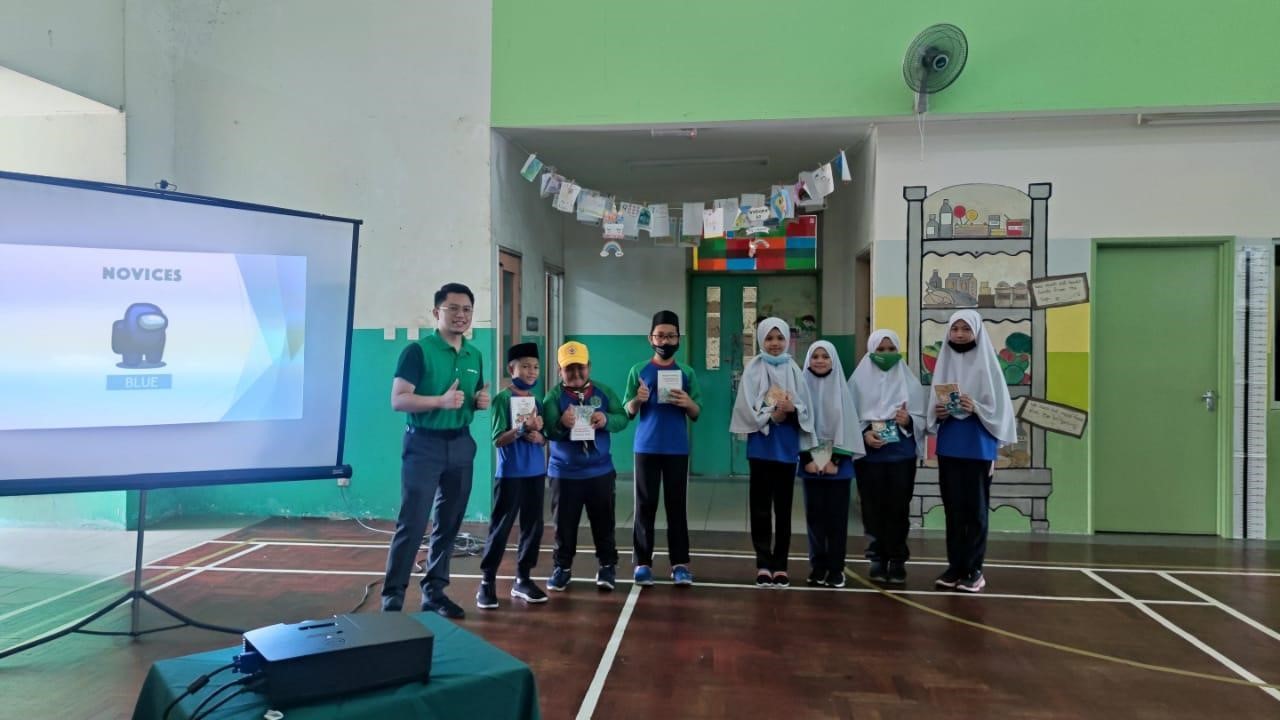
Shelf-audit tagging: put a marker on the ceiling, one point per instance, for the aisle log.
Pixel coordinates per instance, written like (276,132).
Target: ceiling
(742,157)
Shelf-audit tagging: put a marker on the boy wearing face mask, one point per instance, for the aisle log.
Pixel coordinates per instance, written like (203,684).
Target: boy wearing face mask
(518,484)
(662,447)
(581,470)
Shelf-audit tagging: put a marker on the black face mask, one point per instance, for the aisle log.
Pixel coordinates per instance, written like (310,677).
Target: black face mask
(666,352)
(818,374)
(963,347)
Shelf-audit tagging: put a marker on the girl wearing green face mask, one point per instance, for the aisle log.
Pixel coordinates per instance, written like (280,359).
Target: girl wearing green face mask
(891,404)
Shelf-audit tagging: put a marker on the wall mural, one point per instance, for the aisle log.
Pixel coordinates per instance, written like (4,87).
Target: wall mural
(982,246)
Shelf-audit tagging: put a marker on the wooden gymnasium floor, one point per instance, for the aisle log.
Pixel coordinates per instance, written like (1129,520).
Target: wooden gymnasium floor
(1098,628)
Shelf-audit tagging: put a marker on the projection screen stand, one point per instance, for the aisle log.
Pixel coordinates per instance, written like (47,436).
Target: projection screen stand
(136,596)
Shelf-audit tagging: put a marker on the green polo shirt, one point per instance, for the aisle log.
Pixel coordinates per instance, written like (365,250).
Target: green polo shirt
(431,365)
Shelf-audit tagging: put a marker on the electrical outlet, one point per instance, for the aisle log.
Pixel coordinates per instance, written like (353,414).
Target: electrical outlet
(344,482)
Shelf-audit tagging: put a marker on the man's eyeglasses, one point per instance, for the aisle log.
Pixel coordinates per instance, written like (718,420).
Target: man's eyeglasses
(666,336)
(457,309)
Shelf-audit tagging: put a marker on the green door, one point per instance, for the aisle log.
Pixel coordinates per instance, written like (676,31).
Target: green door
(1156,354)
(715,452)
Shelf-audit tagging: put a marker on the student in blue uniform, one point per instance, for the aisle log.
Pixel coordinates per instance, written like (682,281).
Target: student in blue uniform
(773,410)
(826,471)
(892,406)
(970,429)
(518,484)
(581,470)
(662,448)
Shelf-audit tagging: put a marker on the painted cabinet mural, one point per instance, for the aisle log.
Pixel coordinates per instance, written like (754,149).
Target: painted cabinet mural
(981,246)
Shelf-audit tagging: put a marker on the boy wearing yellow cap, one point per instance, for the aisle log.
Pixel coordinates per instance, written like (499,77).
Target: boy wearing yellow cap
(580,417)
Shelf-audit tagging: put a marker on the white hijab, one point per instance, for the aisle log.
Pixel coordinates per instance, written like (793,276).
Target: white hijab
(835,419)
(750,413)
(878,393)
(978,374)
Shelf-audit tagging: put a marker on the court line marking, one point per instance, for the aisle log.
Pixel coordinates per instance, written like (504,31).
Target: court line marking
(592,697)
(1199,644)
(926,561)
(1223,607)
(85,608)
(736,586)
(80,614)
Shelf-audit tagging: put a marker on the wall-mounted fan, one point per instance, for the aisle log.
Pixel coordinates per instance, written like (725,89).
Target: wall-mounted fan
(934,60)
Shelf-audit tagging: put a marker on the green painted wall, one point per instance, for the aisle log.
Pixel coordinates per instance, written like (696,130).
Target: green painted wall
(70,510)
(658,61)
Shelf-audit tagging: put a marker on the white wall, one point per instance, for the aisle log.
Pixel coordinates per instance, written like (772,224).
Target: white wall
(842,236)
(1110,178)
(375,110)
(525,222)
(618,296)
(77,45)
(45,130)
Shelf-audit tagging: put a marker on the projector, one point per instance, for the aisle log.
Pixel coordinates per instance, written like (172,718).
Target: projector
(316,659)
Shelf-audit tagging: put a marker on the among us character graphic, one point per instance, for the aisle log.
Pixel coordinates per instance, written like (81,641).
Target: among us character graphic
(139,337)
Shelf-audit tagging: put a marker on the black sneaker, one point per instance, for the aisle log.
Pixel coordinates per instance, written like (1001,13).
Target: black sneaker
(878,572)
(780,579)
(835,579)
(948,579)
(606,577)
(763,579)
(972,583)
(444,606)
(486,598)
(817,577)
(527,590)
(897,572)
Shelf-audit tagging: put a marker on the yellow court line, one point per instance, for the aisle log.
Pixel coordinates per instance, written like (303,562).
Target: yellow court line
(1056,646)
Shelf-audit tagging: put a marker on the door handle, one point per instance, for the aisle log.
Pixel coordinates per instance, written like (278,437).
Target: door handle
(1210,399)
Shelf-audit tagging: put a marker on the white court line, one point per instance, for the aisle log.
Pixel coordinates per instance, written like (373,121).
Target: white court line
(95,583)
(731,554)
(1224,607)
(1176,630)
(735,586)
(606,660)
(171,583)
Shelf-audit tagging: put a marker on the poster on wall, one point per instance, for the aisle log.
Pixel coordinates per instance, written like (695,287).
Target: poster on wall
(1059,291)
(792,245)
(1054,417)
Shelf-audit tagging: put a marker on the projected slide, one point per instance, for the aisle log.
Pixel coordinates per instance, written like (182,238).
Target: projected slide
(104,337)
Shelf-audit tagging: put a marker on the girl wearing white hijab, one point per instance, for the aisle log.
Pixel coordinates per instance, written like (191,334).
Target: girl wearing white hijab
(970,429)
(893,407)
(774,411)
(827,470)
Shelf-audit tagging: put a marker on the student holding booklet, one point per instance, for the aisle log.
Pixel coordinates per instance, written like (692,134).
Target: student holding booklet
(663,394)
(892,406)
(972,415)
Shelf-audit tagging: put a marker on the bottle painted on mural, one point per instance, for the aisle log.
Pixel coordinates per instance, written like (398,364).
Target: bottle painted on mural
(945,216)
(931,227)
(936,280)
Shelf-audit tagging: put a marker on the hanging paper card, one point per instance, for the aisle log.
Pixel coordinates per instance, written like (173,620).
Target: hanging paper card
(544,185)
(567,197)
(752,200)
(691,219)
(644,222)
(845,175)
(630,218)
(756,217)
(804,188)
(659,221)
(823,183)
(713,223)
(613,224)
(591,206)
(728,208)
(781,203)
(532,166)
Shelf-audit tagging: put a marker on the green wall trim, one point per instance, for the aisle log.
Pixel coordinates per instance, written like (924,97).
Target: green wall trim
(666,61)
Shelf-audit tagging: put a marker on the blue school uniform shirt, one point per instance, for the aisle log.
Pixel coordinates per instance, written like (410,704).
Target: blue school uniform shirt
(782,444)
(662,428)
(903,449)
(576,459)
(967,438)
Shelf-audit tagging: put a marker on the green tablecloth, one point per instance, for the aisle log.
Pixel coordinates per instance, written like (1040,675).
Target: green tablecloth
(469,679)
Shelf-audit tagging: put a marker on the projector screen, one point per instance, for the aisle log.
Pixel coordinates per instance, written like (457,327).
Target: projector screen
(157,339)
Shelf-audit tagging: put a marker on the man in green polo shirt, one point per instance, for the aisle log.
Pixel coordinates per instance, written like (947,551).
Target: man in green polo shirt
(439,384)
